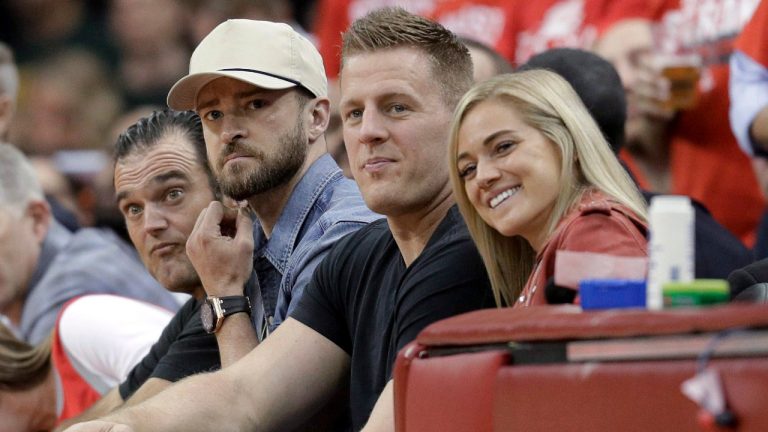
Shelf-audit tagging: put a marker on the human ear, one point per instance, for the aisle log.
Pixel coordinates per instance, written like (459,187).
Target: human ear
(40,213)
(321,114)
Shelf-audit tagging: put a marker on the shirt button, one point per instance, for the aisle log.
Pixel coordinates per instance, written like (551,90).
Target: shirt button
(521,299)
(270,319)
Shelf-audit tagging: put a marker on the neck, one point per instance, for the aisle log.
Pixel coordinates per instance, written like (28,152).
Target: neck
(413,230)
(269,205)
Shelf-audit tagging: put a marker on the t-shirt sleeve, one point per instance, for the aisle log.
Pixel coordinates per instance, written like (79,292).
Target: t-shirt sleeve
(184,349)
(321,307)
(452,281)
(105,336)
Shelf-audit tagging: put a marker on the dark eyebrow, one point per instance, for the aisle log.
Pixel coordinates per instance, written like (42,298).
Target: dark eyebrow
(239,95)
(489,139)
(158,179)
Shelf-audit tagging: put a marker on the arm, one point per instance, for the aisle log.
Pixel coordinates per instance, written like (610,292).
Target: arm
(274,387)
(104,406)
(224,263)
(382,417)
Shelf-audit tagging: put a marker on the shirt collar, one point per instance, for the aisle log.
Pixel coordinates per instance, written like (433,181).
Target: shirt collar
(279,247)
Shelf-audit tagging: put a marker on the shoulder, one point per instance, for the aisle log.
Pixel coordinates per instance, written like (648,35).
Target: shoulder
(343,202)
(602,225)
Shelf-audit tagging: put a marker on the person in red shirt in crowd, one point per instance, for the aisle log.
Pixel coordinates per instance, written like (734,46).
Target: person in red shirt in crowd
(686,150)
(749,105)
(515,29)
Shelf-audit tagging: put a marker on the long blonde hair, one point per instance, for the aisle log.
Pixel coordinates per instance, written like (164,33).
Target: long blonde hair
(546,102)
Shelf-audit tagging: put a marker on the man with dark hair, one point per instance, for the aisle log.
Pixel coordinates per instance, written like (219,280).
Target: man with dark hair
(163,181)
(598,84)
(379,286)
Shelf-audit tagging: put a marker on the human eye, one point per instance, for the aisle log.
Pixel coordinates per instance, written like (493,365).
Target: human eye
(353,114)
(257,103)
(212,115)
(503,147)
(131,210)
(466,171)
(174,194)
(397,108)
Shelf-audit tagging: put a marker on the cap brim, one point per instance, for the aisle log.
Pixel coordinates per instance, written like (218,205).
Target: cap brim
(183,94)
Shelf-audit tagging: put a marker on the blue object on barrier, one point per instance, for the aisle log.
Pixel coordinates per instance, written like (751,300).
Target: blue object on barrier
(612,293)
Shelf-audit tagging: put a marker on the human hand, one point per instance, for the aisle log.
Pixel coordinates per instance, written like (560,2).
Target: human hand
(221,249)
(648,92)
(99,426)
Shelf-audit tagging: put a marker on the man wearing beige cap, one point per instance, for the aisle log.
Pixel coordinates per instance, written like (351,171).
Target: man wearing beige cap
(378,287)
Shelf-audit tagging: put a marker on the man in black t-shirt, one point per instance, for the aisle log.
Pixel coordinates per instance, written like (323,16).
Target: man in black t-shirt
(402,75)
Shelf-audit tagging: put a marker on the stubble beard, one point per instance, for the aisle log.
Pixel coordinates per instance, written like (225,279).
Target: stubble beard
(240,183)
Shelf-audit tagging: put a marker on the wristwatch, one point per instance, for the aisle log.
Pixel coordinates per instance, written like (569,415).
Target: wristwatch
(215,309)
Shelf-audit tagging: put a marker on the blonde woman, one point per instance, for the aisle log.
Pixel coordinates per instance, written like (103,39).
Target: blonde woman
(532,175)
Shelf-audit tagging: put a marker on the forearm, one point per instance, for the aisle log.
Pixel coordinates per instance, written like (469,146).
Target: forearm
(236,338)
(203,402)
(759,129)
(110,402)
(383,415)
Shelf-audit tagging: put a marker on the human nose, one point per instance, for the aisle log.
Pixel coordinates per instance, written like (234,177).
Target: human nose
(372,129)
(154,219)
(232,130)
(486,174)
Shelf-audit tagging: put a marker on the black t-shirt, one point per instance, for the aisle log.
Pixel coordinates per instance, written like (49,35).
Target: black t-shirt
(364,299)
(183,349)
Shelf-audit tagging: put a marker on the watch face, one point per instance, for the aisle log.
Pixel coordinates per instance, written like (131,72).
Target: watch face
(207,317)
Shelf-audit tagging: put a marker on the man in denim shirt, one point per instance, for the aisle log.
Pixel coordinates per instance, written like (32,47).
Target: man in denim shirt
(261,92)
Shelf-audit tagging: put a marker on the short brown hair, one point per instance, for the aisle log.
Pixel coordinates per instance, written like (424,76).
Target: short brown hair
(395,28)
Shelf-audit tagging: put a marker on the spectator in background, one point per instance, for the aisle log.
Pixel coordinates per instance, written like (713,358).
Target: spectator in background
(153,50)
(686,151)
(205,15)
(68,102)
(42,28)
(9,89)
(44,265)
(718,252)
(749,105)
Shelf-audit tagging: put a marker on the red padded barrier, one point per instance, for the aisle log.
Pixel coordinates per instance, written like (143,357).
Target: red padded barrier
(450,393)
(632,396)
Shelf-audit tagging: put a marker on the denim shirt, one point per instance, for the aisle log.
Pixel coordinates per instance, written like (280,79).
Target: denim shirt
(323,207)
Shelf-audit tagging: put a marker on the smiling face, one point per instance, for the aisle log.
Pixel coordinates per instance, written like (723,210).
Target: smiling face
(510,170)
(255,137)
(395,129)
(160,193)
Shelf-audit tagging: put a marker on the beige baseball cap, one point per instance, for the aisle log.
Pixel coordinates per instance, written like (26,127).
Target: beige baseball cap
(266,54)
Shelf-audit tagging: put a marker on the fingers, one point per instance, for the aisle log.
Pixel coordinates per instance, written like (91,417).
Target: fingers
(244,225)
